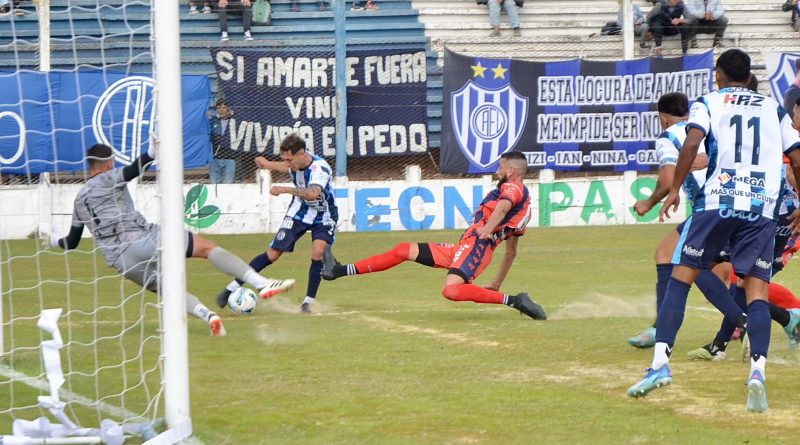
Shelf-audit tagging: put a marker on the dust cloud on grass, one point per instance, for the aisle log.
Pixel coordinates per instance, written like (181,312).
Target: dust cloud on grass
(285,305)
(606,306)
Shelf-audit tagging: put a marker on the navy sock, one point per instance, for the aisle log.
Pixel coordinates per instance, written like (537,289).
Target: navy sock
(779,314)
(670,314)
(663,274)
(758,328)
(259,263)
(727,327)
(314,278)
(717,294)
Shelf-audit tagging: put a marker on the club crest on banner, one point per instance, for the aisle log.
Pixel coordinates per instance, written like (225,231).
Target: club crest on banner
(783,75)
(123,116)
(488,117)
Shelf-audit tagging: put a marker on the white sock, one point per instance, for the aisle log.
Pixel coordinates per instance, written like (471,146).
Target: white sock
(252,278)
(660,356)
(308,300)
(201,311)
(233,285)
(758,365)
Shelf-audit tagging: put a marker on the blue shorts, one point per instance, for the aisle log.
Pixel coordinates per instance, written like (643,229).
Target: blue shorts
(751,237)
(292,230)
(782,235)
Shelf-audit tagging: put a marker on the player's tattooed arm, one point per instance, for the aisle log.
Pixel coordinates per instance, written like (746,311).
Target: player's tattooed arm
(309,193)
(665,175)
(263,163)
(500,212)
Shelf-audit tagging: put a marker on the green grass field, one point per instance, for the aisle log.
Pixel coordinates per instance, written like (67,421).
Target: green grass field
(387,360)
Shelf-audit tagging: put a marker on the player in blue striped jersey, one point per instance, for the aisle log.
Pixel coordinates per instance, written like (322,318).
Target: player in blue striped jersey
(312,210)
(673,111)
(746,135)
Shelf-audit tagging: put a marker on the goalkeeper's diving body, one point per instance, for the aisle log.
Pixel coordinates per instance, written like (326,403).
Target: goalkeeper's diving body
(130,244)
(502,216)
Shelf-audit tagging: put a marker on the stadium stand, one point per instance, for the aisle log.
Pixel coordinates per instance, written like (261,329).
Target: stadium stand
(551,30)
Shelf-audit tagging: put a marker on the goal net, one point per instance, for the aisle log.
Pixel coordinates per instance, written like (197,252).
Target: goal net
(83,351)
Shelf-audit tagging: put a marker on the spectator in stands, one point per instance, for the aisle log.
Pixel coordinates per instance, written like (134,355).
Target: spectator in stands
(639,23)
(221,169)
(360,6)
(794,6)
(494,16)
(5,6)
(245,7)
(666,19)
(193,7)
(322,6)
(706,17)
(792,93)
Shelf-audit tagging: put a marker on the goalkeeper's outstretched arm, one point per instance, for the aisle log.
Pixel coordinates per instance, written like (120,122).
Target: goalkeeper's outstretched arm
(136,167)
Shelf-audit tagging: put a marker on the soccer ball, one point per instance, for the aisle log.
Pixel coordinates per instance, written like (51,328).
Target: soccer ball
(242,301)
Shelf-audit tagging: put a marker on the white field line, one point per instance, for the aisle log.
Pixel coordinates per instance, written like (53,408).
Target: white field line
(117,412)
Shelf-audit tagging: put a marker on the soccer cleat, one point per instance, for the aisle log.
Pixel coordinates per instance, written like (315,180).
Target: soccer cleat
(248,37)
(654,378)
(792,329)
(224,37)
(306,308)
(647,339)
(275,287)
(524,304)
(328,263)
(222,298)
(756,393)
(707,352)
(215,324)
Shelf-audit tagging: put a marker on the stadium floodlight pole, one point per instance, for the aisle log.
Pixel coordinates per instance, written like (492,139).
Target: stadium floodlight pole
(627,29)
(44,34)
(170,183)
(340,22)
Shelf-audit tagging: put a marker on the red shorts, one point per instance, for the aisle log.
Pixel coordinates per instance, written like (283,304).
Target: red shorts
(468,258)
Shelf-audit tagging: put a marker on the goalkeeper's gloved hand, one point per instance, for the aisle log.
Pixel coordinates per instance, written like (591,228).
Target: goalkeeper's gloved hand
(55,237)
(152,147)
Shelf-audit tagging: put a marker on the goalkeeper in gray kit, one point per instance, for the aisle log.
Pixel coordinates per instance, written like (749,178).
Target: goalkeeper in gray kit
(130,244)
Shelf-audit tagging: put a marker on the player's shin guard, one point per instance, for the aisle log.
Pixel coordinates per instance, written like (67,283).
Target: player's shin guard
(717,294)
(471,292)
(663,274)
(670,315)
(383,261)
(758,328)
(314,278)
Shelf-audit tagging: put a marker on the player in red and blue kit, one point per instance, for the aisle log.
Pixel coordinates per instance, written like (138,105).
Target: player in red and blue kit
(502,216)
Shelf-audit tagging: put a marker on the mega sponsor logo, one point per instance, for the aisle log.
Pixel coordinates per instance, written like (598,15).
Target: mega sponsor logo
(725,178)
(761,196)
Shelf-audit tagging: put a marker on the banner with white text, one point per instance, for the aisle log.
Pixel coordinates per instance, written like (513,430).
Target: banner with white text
(566,115)
(274,93)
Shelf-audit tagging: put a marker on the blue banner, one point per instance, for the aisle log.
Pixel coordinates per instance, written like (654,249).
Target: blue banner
(274,93)
(565,115)
(48,120)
